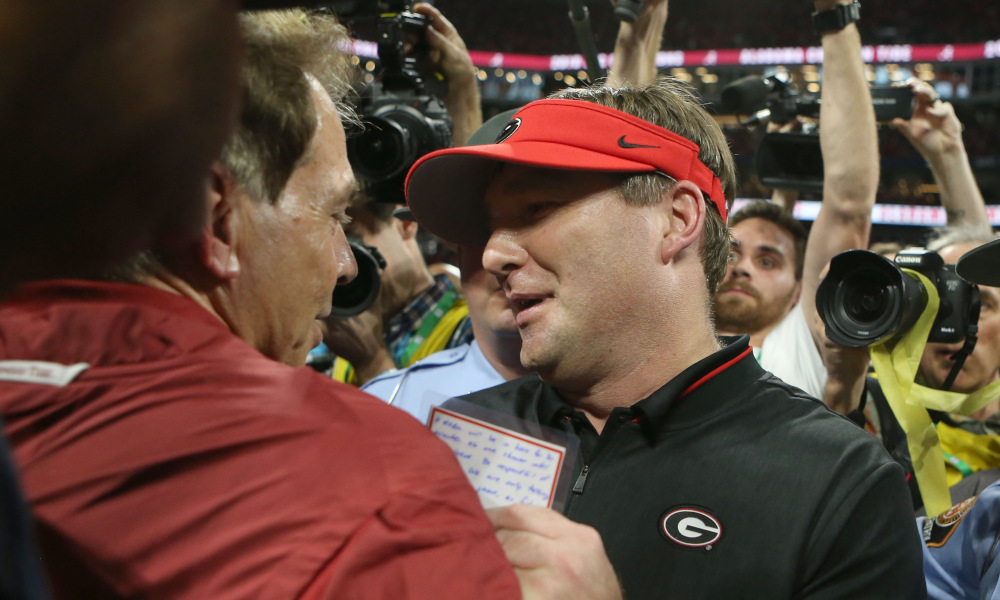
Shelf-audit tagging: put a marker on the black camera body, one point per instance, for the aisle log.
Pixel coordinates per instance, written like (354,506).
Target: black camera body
(784,160)
(403,115)
(866,298)
(774,98)
(794,160)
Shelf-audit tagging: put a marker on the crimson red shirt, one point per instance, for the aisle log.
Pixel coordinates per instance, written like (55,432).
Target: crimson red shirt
(182,463)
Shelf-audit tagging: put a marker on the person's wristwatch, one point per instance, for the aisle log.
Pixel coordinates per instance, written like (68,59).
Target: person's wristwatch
(836,18)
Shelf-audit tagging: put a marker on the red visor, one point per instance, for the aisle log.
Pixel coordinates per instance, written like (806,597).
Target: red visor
(445,189)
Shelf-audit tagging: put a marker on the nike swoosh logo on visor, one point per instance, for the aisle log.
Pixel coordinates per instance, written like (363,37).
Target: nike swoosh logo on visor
(624,144)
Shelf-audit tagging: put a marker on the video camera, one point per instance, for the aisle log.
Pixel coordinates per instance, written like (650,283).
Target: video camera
(866,298)
(794,160)
(784,160)
(403,115)
(774,98)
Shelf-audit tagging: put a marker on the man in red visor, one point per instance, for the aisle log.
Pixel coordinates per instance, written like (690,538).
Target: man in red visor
(602,212)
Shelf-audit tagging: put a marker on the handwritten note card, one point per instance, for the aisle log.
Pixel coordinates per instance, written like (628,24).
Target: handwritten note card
(505,467)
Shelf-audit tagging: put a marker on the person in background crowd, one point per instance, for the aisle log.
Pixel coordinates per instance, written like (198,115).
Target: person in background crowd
(281,483)
(960,552)
(971,443)
(416,313)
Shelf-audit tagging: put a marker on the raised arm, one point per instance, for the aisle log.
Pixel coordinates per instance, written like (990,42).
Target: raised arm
(634,60)
(849,143)
(449,54)
(936,133)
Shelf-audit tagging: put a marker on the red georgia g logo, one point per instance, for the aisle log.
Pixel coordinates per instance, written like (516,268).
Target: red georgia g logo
(691,528)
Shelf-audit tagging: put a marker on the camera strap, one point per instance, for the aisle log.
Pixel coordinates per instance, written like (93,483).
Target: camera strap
(971,337)
(909,401)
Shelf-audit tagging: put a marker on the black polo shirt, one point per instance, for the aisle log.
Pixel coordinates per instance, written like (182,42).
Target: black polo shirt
(729,483)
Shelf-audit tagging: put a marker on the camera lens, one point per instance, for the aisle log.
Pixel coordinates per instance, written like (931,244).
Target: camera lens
(868,302)
(356,296)
(865,299)
(382,151)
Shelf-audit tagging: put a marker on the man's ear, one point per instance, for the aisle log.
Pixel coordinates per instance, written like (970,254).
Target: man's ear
(796,292)
(408,229)
(218,239)
(684,219)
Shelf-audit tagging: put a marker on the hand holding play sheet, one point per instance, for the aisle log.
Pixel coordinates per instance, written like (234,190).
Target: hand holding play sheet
(553,557)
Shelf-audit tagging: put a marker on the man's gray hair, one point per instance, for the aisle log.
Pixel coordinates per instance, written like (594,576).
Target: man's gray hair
(966,233)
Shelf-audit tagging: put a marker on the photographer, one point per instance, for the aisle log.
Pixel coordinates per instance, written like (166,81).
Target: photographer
(970,441)
(935,131)
(960,558)
(404,325)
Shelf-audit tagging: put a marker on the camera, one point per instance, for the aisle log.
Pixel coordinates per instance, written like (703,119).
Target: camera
(774,98)
(784,160)
(359,294)
(403,115)
(866,298)
(794,160)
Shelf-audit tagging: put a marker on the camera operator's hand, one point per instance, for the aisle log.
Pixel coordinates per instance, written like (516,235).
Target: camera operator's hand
(553,557)
(933,129)
(360,341)
(636,46)
(846,369)
(449,54)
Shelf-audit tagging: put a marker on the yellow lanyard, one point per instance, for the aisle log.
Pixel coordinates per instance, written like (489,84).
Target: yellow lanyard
(910,401)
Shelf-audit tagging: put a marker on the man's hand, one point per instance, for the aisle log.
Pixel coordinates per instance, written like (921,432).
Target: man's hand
(846,369)
(634,61)
(360,341)
(450,56)
(553,557)
(933,129)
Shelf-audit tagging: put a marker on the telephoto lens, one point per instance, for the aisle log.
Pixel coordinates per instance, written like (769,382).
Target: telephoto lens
(359,294)
(865,299)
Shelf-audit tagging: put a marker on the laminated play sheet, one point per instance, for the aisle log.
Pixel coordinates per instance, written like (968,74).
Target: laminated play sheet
(504,465)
